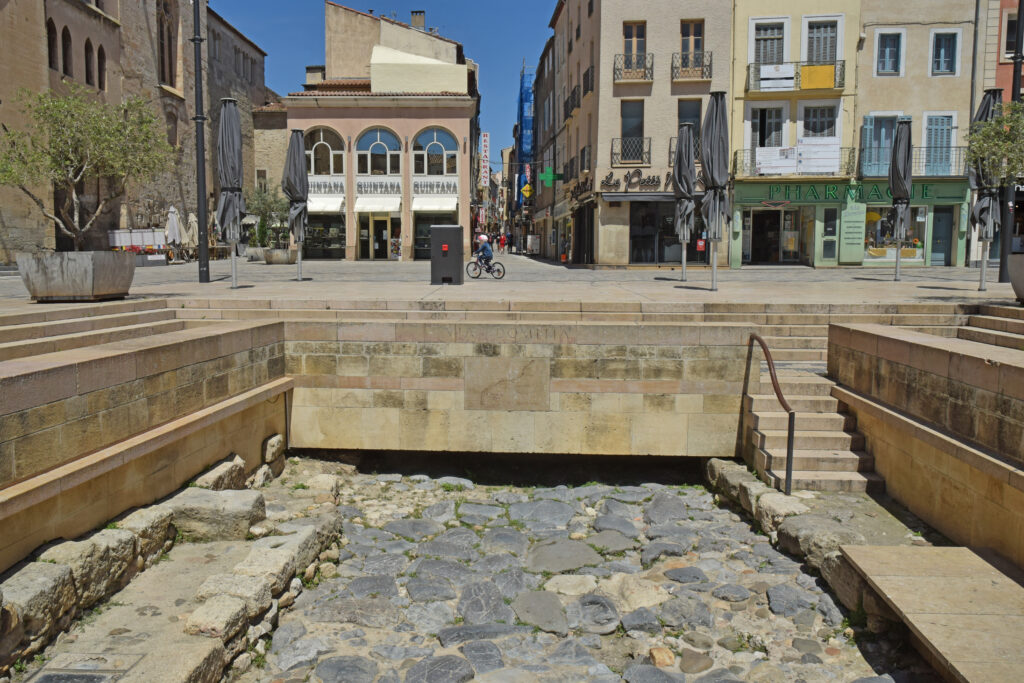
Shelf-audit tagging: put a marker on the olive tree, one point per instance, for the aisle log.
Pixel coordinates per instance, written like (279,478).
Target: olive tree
(270,207)
(996,145)
(73,137)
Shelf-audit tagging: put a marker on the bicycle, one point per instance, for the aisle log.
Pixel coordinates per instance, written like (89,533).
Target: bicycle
(474,269)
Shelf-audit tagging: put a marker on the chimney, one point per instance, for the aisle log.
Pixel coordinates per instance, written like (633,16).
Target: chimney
(419,19)
(315,74)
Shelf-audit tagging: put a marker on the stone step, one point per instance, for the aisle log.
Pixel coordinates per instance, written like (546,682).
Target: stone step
(800,385)
(775,440)
(815,461)
(801,404)
(40,330)
(1007,340)
(866,482)
(779,331)
(800,354)
(1010,312)
(794,342)
(808,422)
(1000,324)
(948,331)
(65,342)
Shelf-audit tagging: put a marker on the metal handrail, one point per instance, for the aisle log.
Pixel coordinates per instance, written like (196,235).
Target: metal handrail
(782,400)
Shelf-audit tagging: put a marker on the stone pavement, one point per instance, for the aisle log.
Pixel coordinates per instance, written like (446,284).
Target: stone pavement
(533,280)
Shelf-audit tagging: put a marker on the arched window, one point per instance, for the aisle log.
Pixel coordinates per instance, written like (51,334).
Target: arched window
(325,152)
(90,66)
(51,44)
(101,69)
(65,49)
(166,41)
(435,152)
(379,153)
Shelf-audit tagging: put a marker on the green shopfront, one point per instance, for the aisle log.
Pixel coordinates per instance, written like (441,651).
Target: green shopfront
(825,224)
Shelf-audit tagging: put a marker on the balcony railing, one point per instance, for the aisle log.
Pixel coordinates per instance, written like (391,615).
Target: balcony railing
(588,81)
(631,151)
(572,102)
(935,162)
(635,67)
(796,76)
(673,144)
(691,66)
(808,160)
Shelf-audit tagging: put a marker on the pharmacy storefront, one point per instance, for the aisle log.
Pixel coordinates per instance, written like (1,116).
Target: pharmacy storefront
(824,224)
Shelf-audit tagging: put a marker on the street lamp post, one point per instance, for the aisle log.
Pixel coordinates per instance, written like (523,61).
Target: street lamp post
(200,120)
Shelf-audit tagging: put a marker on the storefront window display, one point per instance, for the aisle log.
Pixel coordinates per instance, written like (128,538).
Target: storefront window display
(879,242)
(652,235)
(423,222)
(325,237)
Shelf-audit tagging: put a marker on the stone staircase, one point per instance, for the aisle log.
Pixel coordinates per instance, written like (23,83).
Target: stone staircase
(828,453)
(996,325)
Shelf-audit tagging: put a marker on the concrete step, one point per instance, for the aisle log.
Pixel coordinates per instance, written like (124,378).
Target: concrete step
(808,422)
(775,440)
(65,342)
(55,312)
(800,354)
(1010,312)
(801,404)
(800,385)
(948,331)
(991,322)
(994,337)
(867,482)
(814,461)
(777,331)
(40,330)
(794,342)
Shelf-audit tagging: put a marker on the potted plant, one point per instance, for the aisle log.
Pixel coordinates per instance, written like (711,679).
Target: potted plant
(996,144)
(271,209)
(74,138)
(280,251)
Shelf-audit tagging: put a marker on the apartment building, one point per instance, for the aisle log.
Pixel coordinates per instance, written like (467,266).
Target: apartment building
(552,244)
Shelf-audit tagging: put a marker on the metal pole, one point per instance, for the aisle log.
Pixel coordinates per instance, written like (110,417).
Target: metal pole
(299,261)
(789,453)
(200,120)
(985,246)
(684,245)
(899,251)
(234,266)
(714,266)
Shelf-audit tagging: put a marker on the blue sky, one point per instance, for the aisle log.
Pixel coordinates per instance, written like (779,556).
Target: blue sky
(497,34)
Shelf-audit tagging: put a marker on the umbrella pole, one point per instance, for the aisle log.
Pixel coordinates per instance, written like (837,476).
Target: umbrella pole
(299,262)
(683,276)
(234,266)
(985,246)
(899,250)
(714,266)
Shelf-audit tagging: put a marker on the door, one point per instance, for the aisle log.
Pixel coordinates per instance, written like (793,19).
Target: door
(634,49)
(938,145)
(765,237)
(790,238)
(381,238)
(942,236)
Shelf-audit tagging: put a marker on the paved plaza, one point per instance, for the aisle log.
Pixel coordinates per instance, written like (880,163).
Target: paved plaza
(530,279)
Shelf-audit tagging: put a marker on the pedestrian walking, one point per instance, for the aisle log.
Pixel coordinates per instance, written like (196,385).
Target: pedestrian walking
(501,245)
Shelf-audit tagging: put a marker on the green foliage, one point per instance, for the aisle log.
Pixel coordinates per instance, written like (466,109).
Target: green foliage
(74,137)
(272,209)
(996,144)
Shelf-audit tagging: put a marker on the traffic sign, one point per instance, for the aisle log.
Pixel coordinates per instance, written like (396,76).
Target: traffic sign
(527,191)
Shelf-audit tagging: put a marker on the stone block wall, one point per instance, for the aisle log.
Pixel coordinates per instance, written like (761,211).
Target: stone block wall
(617,389)
(62,406)
(971,390)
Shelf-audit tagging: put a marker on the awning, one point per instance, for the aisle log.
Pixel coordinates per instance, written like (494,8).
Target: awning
(435,203)
(378,204)
(638,196)
(250,219)
(325,204)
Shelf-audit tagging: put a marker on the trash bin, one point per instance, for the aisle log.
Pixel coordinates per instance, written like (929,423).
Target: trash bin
(447,257)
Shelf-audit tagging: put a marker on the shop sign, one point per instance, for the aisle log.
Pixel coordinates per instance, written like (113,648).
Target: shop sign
(326,185)
(434,187)
(385,187)
(634,180)
(581,188)
(874,192)
(701,245)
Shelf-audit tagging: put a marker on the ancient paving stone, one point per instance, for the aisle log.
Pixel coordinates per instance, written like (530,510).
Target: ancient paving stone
(348,669)
(487,511)
(385,564)
(687,575)
(151,525)
(222,616)
(43,595)
(787,600)
(598,614)
(571,584)
(369,612)
(227,475)
(457,574)
(349,511)
(509,497)
(373,586)
(686,610)
(285,635)
(645,673)
(455,635)
(560,555)
(492,564)
(541,609)
(428,590)
(399,652)
(549,513)
(302,652)
(665,507)
(457,483)
(446,669)
(205,515)
(718,676)
(814,536)
(504,540)
(693,662)
(446,550)
(482,603)
(610,541)
(414,529)
(657,549)
(807,646)
(483,655)
(616,523)
(572,652)
(731,592)
(100,563)
(430,617)
(511,583)
(641,619)
(253,590)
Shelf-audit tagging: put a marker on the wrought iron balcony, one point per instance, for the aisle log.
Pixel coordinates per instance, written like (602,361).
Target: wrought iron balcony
(588,81)
(808,160)
(933,162)
(634,67)
(631,151)
(673,144)
(796,76)
(688,66)
(572,102)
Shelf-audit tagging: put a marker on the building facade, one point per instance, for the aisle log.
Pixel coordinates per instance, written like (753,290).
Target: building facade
(390,124)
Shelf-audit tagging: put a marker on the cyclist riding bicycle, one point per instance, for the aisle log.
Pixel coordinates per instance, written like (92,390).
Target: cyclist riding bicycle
(484,253)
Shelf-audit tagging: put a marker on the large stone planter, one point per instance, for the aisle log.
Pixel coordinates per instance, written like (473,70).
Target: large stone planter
(254,253)
(280,257)
(1016,264)
(77,275)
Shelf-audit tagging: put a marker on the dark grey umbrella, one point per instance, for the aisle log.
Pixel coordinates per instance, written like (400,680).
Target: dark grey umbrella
(231,205)
(714,159)
(683,181)
(986,215)
(295,185)
(901,185)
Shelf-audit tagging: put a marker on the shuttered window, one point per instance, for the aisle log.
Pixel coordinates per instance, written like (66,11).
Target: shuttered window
(821,42)
(820,122)
(768,43)
(767,127)
(944,54)
(889,53)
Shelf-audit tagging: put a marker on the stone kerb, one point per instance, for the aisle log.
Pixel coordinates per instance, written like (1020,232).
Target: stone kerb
(603,388)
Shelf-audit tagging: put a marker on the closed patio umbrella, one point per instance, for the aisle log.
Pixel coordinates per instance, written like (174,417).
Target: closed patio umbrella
(295,185)
(714,159)
(683,180)
(986,214)
(190,239)
(901,185)
(172,231)
(231,205)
